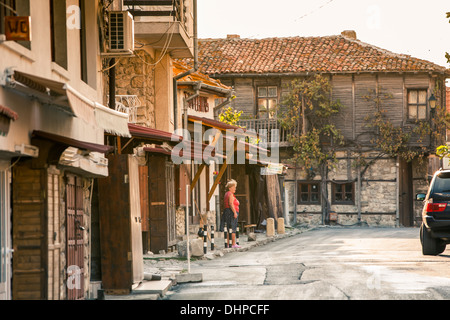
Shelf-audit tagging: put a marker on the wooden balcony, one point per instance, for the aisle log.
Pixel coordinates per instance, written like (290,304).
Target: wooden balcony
(266,128)
(164,25)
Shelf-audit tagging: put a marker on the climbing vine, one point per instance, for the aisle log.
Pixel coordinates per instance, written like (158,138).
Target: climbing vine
(308,108)
(396,141)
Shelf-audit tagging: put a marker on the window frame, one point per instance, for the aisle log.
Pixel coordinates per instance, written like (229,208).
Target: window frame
(309,192)
(267,98)
(59,53)
(337,187)
(417,104)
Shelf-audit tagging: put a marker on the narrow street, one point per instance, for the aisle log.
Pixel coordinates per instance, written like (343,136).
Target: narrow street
(328,264)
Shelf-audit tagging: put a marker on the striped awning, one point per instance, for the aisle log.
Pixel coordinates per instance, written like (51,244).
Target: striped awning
(64,97)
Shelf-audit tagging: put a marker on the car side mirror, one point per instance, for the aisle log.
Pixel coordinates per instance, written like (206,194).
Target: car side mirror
(421,196)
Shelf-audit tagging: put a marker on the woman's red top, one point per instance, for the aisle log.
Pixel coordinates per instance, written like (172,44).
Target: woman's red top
(227,201)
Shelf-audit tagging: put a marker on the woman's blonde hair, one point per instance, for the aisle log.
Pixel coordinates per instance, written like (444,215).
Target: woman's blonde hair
(230,184)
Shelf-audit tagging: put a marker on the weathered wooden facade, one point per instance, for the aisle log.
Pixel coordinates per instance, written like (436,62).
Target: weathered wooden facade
(260,71)
(120,225)
(52,151)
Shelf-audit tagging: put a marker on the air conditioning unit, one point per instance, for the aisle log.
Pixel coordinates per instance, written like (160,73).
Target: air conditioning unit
(121,32)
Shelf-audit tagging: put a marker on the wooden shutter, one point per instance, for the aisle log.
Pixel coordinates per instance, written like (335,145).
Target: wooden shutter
(29,235)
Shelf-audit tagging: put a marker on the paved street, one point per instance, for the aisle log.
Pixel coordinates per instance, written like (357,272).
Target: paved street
(325,263)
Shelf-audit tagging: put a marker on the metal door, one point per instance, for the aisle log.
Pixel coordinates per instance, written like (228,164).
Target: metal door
(5,236)
(75,238)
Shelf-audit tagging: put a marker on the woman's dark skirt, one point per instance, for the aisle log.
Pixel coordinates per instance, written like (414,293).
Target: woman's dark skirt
(228,220)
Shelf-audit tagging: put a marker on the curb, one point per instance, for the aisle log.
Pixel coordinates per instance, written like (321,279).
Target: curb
(157,289)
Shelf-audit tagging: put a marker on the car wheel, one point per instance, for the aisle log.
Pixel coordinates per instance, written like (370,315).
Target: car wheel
(430,246)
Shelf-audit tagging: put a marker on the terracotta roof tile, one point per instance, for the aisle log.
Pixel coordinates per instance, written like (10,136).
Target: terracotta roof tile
(303,54)
(180,67)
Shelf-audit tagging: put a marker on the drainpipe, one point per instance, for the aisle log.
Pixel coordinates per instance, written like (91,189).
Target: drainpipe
(112,83)
(397,213)
(230,96)
(181,75)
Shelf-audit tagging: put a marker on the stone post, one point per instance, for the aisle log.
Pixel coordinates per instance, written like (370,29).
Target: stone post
(280,227)
(270,227)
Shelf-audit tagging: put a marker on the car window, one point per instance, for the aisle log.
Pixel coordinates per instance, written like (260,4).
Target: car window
(442,183)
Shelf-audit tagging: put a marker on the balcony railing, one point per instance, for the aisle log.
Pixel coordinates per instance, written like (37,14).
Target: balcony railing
(128,104)
(271,132)
(158,8)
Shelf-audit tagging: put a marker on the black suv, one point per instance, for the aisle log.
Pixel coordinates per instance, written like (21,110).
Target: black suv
(435,228)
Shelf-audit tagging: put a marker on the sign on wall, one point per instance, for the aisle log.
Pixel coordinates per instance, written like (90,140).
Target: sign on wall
(18,28)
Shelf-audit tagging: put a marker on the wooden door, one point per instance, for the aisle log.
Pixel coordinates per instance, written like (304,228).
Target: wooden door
(29,280)
(135,217)
(158,211)
(75,237)
(405,194)
(114,221)
(143,191)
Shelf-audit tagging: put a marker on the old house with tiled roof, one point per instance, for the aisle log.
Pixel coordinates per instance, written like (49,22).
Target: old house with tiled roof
(259,70)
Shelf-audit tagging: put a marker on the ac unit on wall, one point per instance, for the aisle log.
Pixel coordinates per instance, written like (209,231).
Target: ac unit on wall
(121,32)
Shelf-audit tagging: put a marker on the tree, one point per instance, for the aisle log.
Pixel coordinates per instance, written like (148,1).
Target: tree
(309,110)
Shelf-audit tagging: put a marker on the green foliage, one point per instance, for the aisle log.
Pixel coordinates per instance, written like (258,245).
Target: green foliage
(230,116)
(391,140)
(308,109)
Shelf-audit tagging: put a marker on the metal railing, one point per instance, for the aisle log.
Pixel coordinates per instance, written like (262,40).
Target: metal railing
(269,129)
(159,8)
(128,104)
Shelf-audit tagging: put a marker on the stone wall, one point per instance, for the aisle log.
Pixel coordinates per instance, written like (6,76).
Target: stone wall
(135,76)
(379,192)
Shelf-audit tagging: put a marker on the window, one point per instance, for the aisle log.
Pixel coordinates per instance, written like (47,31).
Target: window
(267,101)
(198,103)
(7,8)
(58,32)
(308,193)
(343,193)
(417,104)
(14,8)
(83,42)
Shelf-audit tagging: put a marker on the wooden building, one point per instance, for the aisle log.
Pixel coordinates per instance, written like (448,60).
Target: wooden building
(260,71)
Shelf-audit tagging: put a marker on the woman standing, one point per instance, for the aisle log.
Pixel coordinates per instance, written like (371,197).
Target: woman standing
(231,212)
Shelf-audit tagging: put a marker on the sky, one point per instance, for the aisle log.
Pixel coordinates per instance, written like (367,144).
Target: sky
(414,27)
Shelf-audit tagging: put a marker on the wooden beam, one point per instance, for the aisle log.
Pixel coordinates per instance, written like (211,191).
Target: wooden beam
(200,169)
(222,170)
(197,176)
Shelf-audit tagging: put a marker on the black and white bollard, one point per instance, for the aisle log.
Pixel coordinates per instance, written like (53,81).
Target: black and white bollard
(225,236)
(237,235)
(212,238)
(205,238)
